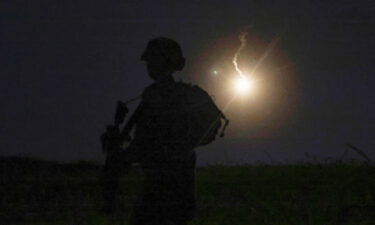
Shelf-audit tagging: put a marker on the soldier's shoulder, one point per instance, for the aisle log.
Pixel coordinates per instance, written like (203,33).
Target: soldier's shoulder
(192,90)
(150,91)
(188,87)
(151,87)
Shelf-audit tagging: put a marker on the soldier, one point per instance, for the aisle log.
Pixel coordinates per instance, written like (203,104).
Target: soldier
(159,145)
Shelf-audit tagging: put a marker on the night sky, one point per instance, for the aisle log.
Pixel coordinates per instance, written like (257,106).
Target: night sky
(64,65)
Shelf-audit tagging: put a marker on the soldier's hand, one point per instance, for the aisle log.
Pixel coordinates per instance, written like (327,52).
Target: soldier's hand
(125,141)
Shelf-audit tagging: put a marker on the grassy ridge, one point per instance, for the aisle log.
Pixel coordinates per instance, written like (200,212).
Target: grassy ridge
(39,192)
(288,194)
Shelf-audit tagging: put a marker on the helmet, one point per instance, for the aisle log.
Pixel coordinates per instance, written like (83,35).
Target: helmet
(165,47)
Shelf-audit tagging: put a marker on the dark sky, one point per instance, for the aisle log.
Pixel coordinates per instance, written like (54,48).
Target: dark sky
(65,64)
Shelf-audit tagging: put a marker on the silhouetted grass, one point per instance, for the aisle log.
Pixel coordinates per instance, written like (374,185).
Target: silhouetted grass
(40,192)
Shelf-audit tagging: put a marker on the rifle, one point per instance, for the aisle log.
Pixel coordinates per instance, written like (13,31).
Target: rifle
(113,139)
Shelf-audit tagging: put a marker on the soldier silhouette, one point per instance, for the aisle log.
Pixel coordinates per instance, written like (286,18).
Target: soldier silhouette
(167,160)
(168,126)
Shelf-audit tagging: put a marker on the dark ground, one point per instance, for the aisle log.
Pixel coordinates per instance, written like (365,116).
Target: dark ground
(34,191)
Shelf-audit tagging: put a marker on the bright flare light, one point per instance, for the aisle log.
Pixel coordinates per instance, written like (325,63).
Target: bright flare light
(243,86)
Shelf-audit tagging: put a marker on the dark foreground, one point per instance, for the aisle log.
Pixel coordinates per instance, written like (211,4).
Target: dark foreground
(40,192)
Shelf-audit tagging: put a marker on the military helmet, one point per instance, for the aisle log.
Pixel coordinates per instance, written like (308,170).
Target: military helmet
(165,47)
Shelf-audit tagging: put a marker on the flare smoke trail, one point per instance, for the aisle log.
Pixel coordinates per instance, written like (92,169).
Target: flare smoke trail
(243,40)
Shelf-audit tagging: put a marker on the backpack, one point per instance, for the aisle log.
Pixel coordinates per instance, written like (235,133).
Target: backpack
(204,117)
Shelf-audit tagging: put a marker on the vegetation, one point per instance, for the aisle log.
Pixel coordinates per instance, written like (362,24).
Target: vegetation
(39,192)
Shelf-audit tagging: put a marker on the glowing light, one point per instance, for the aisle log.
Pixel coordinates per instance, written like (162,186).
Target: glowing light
(243,85)
(215,72)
